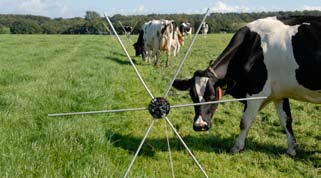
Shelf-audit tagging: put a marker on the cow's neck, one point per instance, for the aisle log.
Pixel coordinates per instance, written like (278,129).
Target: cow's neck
(221,71)
(230,54)
(229,65)
(241,62)
(221,68)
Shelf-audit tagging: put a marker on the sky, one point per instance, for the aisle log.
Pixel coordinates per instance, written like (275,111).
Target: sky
(78,8)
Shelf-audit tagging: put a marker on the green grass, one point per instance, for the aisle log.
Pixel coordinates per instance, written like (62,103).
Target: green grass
(41,74)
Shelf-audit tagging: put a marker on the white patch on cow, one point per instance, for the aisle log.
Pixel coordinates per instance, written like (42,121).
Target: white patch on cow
(283,119)
(276,42)
(200,122)
(200,85)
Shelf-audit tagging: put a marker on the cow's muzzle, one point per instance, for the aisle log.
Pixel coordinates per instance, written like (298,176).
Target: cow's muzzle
(200,125)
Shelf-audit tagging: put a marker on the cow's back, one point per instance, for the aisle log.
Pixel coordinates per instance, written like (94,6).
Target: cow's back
(152,33)
(292,55)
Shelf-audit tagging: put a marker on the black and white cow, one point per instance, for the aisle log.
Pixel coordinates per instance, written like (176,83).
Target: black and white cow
(155,36)
(185,28)
(277,58)
(204,29)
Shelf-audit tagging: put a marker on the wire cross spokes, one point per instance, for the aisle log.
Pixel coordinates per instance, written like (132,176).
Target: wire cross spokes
(143,109)
(129,58)
(159,107)
(157,101)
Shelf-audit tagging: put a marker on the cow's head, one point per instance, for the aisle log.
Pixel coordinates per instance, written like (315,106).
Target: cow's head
(139,45)
(203,87)
(139,49)
(243,53)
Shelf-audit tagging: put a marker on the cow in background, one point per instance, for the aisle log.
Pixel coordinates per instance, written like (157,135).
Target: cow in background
(177,42)
(155,36)
(186,29)
(128,29)
(204,29)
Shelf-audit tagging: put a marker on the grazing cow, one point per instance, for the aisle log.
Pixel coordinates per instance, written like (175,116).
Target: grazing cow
(177,42)
(204,29)
(277,58)
(185,29)
(155,35)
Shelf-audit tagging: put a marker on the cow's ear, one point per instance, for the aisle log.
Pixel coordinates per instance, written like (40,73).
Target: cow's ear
(182,84)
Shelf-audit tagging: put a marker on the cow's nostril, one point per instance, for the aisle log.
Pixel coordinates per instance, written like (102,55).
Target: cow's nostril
(205,128)
(201,126)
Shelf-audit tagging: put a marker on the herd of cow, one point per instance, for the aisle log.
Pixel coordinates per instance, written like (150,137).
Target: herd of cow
(162,35)
(270,57)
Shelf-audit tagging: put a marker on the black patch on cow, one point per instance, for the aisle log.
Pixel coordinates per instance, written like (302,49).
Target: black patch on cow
(243,62)
(287,110)
(307,53)
(163,29)
(174,28)
(184,28)
(297,20)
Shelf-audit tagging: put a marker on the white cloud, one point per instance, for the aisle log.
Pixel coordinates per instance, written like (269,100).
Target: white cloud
(43,7)
(222,7)
(312,8)
(49,8)
(34,6)
(139,10)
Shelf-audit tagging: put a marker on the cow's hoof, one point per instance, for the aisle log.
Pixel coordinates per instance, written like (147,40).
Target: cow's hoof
(236,150)
(292,151)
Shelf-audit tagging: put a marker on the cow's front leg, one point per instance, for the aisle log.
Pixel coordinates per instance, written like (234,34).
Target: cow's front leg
(144,55)
(156,57)
(250,111)
(167,58)
(284,112)
(148,55)
(178,49)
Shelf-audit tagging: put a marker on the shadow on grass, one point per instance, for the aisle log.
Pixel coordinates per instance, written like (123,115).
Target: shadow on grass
(204,143)
(120,58)
(123,61)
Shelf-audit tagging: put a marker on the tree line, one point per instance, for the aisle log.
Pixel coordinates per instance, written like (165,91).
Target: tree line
(94,23)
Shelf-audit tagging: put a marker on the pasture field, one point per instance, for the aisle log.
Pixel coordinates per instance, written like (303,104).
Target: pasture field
(41,74)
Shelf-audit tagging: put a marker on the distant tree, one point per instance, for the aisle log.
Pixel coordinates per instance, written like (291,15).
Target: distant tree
(25,27)
(4,29)
(92,22)
(92,15)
